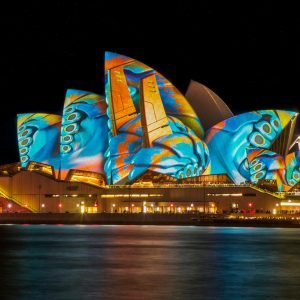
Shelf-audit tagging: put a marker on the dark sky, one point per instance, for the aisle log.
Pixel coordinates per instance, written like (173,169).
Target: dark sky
(249,54)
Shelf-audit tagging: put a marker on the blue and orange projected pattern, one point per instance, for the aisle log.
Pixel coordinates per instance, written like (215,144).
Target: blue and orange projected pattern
(264,164)
(84,132)
(118,142)
(290,176)
(229,140)
(38,138)
(180,154)
(174,102)
(268,165)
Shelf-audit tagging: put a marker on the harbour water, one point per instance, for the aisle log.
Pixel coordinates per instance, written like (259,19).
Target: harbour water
(148,262)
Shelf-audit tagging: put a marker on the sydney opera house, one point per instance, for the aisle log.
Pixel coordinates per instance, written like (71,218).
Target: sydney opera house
(145,147)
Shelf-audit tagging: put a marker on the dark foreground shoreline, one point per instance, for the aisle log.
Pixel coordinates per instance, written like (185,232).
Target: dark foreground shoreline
(148,219)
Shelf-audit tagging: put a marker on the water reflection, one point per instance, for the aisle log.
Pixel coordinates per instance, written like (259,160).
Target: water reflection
(148,262)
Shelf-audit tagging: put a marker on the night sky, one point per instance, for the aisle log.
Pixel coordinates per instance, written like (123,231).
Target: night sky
(248,55)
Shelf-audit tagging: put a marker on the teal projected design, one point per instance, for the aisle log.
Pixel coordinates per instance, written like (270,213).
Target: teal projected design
(145,124)
(38,138)
(181,154)
(84,132)
(164,137)
(264,164)
(229,140)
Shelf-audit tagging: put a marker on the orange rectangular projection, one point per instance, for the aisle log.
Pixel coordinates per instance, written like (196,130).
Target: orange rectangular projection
(121,104)
(153,116)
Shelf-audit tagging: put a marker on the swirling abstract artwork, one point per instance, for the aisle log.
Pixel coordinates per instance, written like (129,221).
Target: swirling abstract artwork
(84,132)
(228,141)
(175,104)
(38,139)
(149,121)
(145,124)
(264,164)
(180,154)
(290,176)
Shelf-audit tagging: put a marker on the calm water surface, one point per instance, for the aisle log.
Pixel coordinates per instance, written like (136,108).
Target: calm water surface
(148,262)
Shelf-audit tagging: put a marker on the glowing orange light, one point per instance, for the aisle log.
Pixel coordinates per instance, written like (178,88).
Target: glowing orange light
(95,205)
(132,205)
(250,204)
(26,205)
(59,205)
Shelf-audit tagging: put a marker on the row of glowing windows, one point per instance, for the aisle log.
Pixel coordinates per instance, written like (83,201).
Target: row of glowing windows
(234,205)
(146,195)
(131,195)
(112,196)
(114,205)
(9,205)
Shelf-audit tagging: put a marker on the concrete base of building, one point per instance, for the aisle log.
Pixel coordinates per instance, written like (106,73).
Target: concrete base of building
(34,192)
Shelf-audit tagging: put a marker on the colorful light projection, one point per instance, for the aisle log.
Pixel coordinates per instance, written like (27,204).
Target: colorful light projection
(84,132)
(268,165)
(180,154)
(175,104)
(228,140)
(38,138)
(264,164)
(143,135)
(148,125)
(290,176)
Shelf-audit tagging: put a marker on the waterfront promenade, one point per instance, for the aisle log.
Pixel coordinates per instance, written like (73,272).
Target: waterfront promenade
(263,220)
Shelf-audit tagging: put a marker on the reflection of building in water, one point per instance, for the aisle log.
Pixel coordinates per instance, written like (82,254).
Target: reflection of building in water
(146,148)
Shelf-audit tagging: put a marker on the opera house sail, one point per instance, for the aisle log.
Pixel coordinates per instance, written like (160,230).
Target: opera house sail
(143,125)
(84,135)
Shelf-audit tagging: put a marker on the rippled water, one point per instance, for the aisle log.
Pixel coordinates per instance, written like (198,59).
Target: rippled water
(148,262)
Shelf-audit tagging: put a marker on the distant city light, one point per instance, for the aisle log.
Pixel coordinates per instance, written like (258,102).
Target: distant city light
(289,203)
